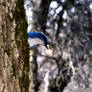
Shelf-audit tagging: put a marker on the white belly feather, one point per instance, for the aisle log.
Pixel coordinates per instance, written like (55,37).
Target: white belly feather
(35,41)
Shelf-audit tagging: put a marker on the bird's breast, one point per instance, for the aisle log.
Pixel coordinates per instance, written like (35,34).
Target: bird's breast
(35,41)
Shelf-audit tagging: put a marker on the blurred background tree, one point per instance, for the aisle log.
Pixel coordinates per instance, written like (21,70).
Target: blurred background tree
(68,23)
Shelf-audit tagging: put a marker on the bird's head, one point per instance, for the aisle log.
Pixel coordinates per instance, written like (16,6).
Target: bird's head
(38,38)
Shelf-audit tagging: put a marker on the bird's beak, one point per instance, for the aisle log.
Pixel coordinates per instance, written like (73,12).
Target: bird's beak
(48,46)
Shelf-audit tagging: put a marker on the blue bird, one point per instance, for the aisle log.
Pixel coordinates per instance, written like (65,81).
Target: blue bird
(38,38)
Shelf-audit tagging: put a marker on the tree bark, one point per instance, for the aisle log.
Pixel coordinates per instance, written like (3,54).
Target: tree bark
(14,49)
(8,50)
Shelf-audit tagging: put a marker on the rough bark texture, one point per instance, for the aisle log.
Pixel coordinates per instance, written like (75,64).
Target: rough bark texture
(14,63)
(8,51)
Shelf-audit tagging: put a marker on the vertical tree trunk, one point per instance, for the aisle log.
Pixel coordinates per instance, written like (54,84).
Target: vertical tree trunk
(8,50)
(14,50)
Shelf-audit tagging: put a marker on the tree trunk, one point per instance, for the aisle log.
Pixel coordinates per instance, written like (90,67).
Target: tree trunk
(14,49)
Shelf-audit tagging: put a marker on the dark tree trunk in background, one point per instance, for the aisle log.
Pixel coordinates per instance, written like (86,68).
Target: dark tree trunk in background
(43,13)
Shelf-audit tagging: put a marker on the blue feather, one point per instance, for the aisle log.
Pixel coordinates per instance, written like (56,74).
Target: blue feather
(39,35)
(36,38)
(31,47)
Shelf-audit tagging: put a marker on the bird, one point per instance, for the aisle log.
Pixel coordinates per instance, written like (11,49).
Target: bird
(38,38)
